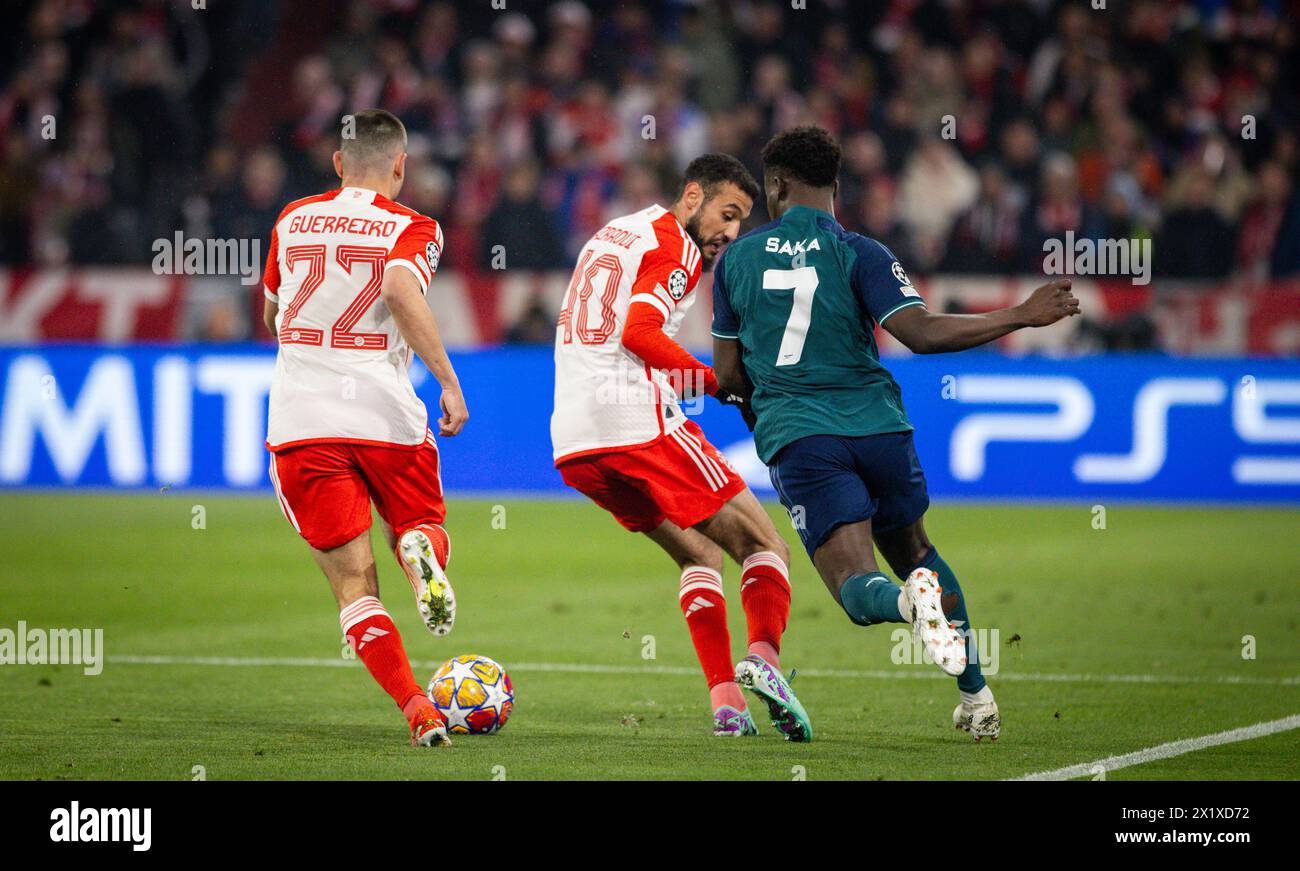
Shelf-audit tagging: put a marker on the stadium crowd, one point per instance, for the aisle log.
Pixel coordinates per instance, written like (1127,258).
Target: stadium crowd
(972,129)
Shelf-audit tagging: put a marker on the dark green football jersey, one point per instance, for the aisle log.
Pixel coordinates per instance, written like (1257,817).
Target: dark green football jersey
(803,296)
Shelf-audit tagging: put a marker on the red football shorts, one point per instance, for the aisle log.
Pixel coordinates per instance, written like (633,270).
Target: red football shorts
(681,478)
(325,490)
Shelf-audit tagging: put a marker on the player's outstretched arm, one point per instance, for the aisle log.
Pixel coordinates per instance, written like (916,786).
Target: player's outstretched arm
(643,335)
(401,293)
(925,332)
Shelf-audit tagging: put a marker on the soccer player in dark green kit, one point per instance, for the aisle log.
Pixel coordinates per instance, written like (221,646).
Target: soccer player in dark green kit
(795,307)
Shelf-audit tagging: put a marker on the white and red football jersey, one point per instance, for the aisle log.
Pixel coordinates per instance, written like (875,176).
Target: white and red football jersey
(607,398)
(341,374)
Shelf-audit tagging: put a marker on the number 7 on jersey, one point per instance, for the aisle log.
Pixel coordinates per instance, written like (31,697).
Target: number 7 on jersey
(803,281)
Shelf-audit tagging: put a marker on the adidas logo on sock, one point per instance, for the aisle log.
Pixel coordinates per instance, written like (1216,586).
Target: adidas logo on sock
(371,634)
(698,604)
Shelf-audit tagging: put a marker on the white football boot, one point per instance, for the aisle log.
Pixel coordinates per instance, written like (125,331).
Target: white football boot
(980,718)
(433,593)
(940,638)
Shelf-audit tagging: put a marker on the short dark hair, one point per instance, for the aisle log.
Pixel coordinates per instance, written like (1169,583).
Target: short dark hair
(808,153)
(374,134)
(711,170)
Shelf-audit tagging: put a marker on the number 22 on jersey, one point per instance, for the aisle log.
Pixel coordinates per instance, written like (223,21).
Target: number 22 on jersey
(341,334)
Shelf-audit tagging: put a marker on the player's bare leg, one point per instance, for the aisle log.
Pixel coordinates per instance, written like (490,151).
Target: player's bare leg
(847,563)
(744,530)
(350,570)
(390,535)
(705,609)
(909,550)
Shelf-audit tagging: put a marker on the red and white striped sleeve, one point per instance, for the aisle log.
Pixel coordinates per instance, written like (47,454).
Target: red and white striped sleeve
(418,249)
(669,272)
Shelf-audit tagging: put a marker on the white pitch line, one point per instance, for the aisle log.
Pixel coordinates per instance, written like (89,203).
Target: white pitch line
(1165,751)
(919,673)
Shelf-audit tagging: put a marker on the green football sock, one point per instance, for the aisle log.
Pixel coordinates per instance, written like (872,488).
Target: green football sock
(971,680)
(871,598)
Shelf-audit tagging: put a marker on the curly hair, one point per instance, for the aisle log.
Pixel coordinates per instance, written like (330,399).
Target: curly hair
(808,153)
(711,170)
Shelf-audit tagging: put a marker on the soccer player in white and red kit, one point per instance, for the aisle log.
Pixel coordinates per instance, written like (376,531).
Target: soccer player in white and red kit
(621,437)
(345,282)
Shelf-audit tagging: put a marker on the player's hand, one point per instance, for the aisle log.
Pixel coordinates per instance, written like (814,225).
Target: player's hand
(454,413)
(1049,304)
(741,405)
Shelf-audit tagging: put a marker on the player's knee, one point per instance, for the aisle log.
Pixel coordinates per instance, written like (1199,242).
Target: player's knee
(706,554)
(350,586)
(764,541)
(780,548)
(783,551)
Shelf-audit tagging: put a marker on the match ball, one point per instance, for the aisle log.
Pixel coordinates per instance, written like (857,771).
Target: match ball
(474,693)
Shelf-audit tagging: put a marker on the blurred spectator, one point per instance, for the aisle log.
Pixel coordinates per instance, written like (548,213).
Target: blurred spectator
(535,327)
(1125,212)
(1195,241)
(18,192)
(251,210)
(1261,227)
(864,165)
(1168,118)
(1059,209)
(1020,155)
(937,185)
(637,188)
(986,237)
(521,226)
(880,221)
(714,65)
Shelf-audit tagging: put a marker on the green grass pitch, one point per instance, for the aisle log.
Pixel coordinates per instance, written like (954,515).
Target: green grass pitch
(1110,641)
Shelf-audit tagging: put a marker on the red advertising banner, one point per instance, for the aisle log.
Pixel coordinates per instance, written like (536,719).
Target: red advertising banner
(117,305)
(110,305)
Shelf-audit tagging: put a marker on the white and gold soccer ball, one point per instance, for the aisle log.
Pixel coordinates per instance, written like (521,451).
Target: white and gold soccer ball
(474,693)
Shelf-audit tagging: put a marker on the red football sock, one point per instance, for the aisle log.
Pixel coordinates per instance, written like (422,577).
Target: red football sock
(437,537)
(765,596)
(706,616)
(414,705)
(375,638)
